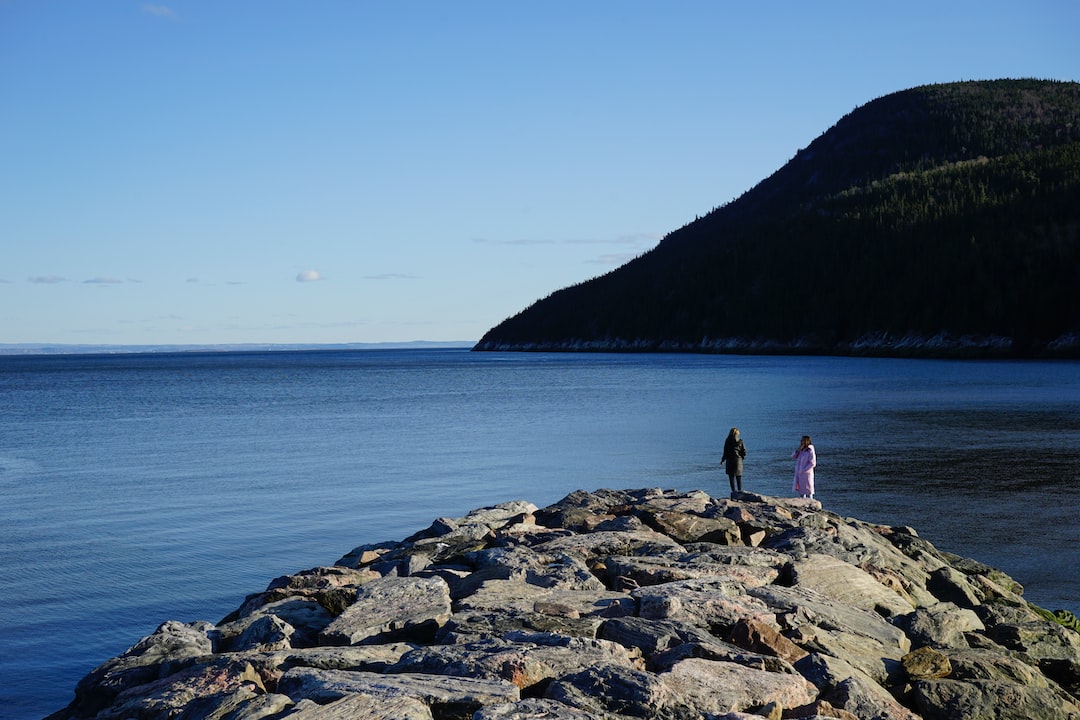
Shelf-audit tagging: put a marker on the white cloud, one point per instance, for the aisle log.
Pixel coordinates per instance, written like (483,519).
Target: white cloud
(48,279)
(103,281)
(309,276)
(162,11)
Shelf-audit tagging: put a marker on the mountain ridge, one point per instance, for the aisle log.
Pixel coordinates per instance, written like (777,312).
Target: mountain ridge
(939,220)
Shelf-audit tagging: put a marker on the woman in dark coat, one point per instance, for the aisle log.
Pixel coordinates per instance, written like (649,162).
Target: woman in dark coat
(734,452)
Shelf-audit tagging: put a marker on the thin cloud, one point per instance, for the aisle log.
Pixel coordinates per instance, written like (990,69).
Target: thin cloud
(162,11)
(633,239)
(392,276)
(632,245)
(48,279)
(103,281)
(519,241)
(613,259)
(307,276)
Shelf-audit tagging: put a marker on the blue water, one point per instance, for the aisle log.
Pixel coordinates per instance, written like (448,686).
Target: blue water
(141,488)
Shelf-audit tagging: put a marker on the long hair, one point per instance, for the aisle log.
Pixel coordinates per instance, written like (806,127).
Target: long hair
(733,435)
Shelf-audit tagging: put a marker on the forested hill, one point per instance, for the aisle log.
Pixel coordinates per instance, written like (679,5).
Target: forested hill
(941,220)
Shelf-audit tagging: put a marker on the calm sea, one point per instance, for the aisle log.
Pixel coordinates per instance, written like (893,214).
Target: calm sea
(136,489)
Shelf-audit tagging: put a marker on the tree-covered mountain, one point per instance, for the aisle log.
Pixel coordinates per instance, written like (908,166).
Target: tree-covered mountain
(938,220)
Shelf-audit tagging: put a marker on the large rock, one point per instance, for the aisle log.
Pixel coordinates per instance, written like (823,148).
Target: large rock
(171,647)
(709,602)
(990,700)
(392,609)
(843,583)
(449,695)
(706,687)
(368,707)
(522,659)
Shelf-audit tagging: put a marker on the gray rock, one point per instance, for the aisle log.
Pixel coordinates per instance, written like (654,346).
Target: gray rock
(210,690)
(448,695)
(709,602)
(949,585)
(843,583)
(520,596)
(652,636)
(686,527)
(613,689)
(368,707)
(603,544)
(375,658)
(862,638)
(392,609)
(271,705)
(468,626)
(940,625)
(522,659)
(171,647)
(864,698)
(534,709)
(707,687)
(267,633)
(656,570)
(990,700)
(304,615)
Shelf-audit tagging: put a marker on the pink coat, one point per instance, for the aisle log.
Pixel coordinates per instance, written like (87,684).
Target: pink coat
(805,462)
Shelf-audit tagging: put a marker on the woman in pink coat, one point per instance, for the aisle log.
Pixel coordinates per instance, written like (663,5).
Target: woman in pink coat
(805,462)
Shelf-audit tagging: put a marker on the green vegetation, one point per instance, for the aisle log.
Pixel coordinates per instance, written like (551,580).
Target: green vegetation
(1061,617)
(940,213)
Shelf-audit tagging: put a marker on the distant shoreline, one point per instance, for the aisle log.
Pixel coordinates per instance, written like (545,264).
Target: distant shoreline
(91,349)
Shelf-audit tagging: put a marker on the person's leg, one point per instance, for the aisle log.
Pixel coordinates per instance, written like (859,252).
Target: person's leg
(738,482)
(731,479)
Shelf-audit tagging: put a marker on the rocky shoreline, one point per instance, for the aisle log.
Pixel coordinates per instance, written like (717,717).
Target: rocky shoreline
(616,604)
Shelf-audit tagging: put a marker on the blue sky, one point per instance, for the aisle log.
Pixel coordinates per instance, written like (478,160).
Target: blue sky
(202,171)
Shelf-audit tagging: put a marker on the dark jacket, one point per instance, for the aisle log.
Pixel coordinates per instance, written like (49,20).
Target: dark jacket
(734,452)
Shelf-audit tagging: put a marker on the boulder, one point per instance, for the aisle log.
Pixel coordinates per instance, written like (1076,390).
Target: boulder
(990,700)
(392,609)
(368,707)
(522,659)
(843,583)
(716,603)
(940,625)
(171,647)
(705,687)
(459,696)
(534,709)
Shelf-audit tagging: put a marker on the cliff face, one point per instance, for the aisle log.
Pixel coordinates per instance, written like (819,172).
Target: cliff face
(615,604)
(941,220)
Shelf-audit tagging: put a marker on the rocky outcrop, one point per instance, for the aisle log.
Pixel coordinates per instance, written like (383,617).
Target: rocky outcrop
(616,604)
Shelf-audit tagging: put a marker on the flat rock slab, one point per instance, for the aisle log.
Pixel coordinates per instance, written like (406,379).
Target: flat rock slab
(368,707)
(708,687)
(324,686)
(844,583)
(390,609)
(520,596)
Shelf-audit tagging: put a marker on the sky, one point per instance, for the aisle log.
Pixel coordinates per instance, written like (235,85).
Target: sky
(221,172)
